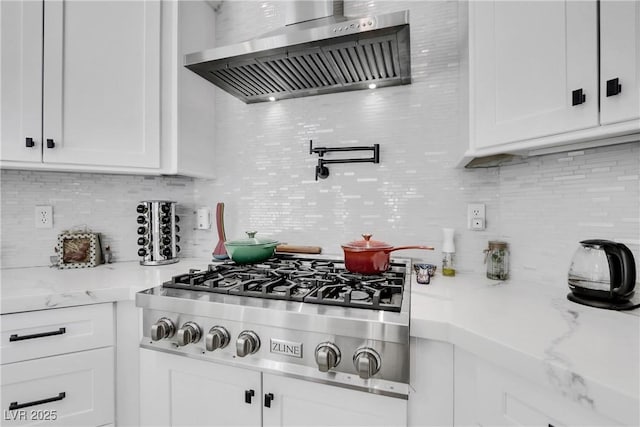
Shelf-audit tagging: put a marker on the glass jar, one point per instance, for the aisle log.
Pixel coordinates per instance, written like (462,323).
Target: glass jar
(497,260)
(448,267)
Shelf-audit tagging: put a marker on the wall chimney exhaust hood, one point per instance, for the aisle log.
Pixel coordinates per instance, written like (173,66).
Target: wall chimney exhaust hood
(319,52)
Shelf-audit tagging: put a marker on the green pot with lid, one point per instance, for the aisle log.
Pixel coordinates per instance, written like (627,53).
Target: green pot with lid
(251,250)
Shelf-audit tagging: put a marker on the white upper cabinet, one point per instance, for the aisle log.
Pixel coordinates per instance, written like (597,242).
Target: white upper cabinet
(188,100)
(528,59)
(101,83)
(81,79)
(539,70)
(619,59)
(20,81)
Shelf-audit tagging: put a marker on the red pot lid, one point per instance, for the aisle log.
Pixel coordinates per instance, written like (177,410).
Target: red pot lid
(366,244)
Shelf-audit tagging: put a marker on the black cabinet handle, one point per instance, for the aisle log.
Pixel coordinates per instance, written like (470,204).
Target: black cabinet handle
(50,143)
(267,400)
(578,97)
(248,394)
(15,337)
(29,142)
(15,405)
(613,87)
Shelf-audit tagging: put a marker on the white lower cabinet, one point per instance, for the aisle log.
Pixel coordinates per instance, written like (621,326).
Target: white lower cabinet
(431,381)
(181,391)
(58,366)
(486,394)
(298,403)
(74,389)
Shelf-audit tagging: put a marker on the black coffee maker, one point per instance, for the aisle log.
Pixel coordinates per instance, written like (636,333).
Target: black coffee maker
(603,275)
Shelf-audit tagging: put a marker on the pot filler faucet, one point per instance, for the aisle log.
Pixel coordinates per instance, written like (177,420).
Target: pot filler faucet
(322,171)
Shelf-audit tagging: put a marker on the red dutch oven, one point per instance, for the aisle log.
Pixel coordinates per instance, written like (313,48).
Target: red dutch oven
(369,256)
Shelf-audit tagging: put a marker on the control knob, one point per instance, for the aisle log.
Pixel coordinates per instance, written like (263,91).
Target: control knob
(367,362)
(247,343)
(218,337)
(163,328)
(189,334)
(327,356)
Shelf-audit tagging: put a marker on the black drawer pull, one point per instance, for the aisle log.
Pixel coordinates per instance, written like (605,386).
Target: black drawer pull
(15,405)
(248,394)
(15,337)
(50,143)
(29,142)
(267,400)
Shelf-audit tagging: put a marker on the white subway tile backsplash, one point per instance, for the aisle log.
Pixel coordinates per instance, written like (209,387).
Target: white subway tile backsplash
(542,206)
(99,202)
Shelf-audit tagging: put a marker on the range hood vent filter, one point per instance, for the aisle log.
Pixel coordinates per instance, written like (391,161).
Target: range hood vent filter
(335,63)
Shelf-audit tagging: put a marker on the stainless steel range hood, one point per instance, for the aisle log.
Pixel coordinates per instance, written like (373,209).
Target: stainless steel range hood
(322,52)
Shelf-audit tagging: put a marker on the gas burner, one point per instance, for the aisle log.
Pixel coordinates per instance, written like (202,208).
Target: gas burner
(309,280)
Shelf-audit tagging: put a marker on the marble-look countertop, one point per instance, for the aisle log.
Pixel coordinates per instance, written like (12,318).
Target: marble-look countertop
(590,355)
(38,288)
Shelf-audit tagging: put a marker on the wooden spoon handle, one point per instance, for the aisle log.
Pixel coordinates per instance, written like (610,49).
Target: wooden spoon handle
(400,248)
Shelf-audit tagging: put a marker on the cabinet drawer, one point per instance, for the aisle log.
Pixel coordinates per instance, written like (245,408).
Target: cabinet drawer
(72,389)
(34,334)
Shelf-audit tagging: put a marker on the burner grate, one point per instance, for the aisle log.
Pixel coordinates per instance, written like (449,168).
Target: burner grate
(299,279)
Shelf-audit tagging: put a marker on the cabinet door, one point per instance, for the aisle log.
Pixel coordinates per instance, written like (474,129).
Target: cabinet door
(304,403)
(526,60)
(101,82)
(619,59)
(181,391)
(20,80)
(489,395)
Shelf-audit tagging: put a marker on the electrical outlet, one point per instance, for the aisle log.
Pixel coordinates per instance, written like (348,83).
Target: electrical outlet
(476,218)
(43,217)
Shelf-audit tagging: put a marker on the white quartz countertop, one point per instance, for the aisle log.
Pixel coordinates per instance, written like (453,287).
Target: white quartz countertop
(591,355)
(38,288)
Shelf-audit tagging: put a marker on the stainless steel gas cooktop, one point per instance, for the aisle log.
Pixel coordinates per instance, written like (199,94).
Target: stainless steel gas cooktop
(306,317)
